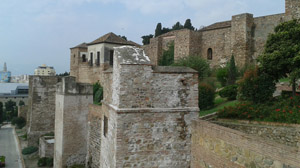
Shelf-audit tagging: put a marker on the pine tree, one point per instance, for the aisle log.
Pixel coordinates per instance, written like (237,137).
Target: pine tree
(188,25)
(232,72)
(158,29)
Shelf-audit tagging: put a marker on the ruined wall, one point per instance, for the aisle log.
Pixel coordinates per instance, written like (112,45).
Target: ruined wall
(72,101)
(219,41)
(41,107)
(22,111)
(288,135)
(217,146)
(46,146)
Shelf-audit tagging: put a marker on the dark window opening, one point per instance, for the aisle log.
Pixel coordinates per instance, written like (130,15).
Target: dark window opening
(111,57)
(83,58)
(209,54)
(91,59)
(105,127)
(98,58)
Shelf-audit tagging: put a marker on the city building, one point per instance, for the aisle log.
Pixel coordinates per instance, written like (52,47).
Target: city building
(5,75)
(45,70)
(20,93)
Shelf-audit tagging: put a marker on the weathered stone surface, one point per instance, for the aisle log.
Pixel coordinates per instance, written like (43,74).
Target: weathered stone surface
(46,146)
(22,111)
(288,135)
(41,107)
(149,112)
(219,146)
(71,111)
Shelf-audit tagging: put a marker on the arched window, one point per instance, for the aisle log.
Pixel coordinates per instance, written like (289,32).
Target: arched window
(209,54)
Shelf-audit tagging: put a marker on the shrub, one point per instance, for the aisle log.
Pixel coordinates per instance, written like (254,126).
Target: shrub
(229,92)
(29,150)
(97,93)
(77,166)
(45,161)
(167,58)
(19,121)
(283,110)
(197,63)
(206,96)
(222,75)
(256,87)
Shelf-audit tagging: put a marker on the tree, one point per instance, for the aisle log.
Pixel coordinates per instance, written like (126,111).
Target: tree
(177,26)
(123,37)
(146,39)
(188,24)
(64,74)
(10,110)
(168,56)
(281,57)
(195,62)
(232,72)
(158,30)
(21,103)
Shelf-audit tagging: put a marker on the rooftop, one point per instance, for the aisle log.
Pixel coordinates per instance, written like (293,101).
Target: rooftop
(113,39)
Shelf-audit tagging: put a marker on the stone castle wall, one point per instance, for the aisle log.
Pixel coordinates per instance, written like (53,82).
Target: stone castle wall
(41,107)
(288,134)
(71,114)
(217,146)
(148,115)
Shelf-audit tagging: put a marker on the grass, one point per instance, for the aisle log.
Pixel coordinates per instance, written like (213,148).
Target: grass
(218,107)
(284,80)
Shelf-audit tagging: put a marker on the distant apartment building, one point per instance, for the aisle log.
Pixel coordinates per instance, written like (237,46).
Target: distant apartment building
(20,79)
(45,70)
(5,75)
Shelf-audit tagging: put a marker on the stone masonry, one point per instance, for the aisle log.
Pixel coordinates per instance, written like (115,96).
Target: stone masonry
(72,100)
(41,107)
(146,115)
(244,36)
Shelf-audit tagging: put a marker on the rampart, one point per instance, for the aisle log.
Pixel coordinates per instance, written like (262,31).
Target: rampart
(71,113)
(217,146)
(41,107)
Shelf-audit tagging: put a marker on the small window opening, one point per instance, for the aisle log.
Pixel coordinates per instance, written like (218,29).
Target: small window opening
(98,58)
(105,128)
(111,57)
(91,59)
(83,58)
(209,54)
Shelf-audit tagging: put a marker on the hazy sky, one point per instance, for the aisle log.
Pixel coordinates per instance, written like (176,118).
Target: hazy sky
(35,32)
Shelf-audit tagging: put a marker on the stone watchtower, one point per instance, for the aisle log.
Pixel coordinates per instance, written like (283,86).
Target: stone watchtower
(72,100)
(145,117)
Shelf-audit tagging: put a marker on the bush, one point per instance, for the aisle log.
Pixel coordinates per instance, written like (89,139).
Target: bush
(283,110)
(197,63)
(19,121)
(78,166)
(256,87)
(45,161)
(167,58)
(29,150)
(229,92)
(222,75)
(206,96)
(97,93)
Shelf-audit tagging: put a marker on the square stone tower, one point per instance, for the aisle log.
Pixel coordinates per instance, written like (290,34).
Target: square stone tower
(145,119)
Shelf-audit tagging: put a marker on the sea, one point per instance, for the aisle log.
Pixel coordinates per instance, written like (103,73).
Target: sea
(8,87)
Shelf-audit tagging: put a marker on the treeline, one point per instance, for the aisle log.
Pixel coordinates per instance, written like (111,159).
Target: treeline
(162,30)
